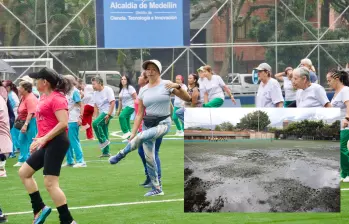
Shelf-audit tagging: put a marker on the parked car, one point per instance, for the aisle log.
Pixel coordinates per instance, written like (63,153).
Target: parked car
(241,83)
(110,78)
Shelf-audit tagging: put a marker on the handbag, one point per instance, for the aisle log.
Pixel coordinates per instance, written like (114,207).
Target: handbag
(19,124)
(152,121)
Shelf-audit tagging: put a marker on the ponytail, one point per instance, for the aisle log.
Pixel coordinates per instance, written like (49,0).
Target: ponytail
(63,85)
(13,87)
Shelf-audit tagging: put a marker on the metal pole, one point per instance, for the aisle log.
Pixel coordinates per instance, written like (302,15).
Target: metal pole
(232,35)
(97,67)
(276,37)
(46,25)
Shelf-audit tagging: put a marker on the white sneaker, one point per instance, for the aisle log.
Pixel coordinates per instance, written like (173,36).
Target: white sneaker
(346,180)
(67,165)
(3,173)
(126,135)
(181,133)
(105,144)
(78,165)
(18,164)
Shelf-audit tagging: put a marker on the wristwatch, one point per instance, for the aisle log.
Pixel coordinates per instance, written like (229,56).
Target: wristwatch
(179,87)
(347,118)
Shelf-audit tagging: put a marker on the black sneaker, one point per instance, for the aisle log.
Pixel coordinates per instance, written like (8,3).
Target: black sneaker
(3,218)
(104,155)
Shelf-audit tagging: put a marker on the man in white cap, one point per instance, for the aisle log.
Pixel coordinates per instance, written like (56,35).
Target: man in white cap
(26,78)
(269,91)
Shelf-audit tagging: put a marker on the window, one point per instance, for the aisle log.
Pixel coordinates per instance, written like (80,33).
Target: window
(248,79)
(242,31)
(113,79)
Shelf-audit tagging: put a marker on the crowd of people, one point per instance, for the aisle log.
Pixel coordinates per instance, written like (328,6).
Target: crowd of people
(41,120)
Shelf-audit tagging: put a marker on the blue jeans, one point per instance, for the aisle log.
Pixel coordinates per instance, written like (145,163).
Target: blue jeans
(75,146)
(148,137)
(180,114)
(26,139)
(157,159)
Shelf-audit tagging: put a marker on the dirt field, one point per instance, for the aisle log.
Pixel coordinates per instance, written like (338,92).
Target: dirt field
(262,176)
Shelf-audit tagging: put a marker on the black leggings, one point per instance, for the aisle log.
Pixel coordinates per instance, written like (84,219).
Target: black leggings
(51,156)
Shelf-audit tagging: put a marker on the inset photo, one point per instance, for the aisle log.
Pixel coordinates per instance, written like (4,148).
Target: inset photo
(262,160)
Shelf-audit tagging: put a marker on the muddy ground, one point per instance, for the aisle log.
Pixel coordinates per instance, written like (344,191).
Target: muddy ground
(228,177)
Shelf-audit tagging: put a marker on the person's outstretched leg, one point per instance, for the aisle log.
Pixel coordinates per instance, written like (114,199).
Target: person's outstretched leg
(152,133)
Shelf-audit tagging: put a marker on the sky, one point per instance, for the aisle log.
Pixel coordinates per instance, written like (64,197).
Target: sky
(201,116)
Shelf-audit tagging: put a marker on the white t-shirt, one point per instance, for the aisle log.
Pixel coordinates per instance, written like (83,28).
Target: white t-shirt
(339,100)
(201,82)
(214,87)
(88,95)
(156,100)
(103,98)
(126,97)
(290,92)
(74,110)
(269,94)
(178,102)
(313,96)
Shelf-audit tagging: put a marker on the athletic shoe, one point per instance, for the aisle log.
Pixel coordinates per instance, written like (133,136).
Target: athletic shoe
(3,173)
(126,135)
(78,165)
(154,192)
(104,155)
(18,164)
(3,218)
(104,144)
(41,216)
(115,159)
(91,139)
(147,181)
(12,155)
(73,222)
(346,180)
(68,165)
(179,133)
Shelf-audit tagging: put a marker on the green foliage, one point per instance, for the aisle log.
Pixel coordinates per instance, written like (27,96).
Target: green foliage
(226,126)
(316,129)
(218,128)
(257,120)
(290,29)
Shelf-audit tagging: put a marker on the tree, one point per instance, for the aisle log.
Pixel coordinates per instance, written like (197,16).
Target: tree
(217,128)
(339,6)
(257,120)
(290,29)
(227,126)
(204,6)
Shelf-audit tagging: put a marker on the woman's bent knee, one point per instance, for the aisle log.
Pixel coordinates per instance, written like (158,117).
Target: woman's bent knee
(25,171)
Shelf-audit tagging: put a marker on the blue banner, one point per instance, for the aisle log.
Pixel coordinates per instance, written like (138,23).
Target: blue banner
(143,23)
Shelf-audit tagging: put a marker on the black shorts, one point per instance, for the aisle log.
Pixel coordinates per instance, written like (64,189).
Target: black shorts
(51,156)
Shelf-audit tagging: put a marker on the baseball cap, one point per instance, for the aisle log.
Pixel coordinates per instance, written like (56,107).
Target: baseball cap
(155,62)
(263,66)
(26,78)
(48,74)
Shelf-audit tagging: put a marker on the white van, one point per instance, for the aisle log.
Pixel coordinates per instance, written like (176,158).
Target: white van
(110,78)
(241,83)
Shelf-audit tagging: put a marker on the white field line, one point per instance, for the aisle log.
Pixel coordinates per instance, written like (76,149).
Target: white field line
(344,189)
(105,205)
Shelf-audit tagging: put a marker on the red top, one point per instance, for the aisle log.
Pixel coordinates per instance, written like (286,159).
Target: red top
(45,111)
(27,106)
